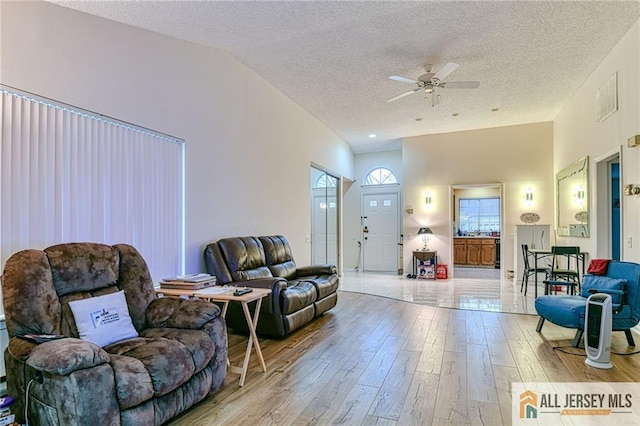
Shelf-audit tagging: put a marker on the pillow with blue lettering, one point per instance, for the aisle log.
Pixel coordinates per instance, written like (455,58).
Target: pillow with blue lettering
(602,283)
(103,320)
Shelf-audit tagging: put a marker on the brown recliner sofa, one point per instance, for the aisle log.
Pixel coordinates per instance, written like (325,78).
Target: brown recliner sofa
(178,358)
(299,294)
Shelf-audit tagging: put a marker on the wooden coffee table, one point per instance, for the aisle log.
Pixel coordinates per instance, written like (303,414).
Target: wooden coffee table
(174,292)
(212,294)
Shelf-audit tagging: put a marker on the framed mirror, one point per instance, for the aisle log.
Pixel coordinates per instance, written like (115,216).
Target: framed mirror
(573,199)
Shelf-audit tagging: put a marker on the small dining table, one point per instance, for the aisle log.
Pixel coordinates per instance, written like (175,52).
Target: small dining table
(542,253)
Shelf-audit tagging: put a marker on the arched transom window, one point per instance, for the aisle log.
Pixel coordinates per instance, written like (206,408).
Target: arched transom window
(380,176)
(325,181)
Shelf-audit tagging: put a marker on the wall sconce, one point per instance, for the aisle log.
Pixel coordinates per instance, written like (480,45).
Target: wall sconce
(428,201)
(528,196)
(426,235)
(579,195)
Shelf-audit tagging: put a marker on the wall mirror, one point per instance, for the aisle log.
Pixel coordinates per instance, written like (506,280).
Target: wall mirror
(573,199)
(324,217)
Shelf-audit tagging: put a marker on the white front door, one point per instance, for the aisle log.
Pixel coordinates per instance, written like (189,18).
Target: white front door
(380,232)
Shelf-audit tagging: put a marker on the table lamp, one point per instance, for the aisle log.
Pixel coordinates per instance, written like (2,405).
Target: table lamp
(425,232)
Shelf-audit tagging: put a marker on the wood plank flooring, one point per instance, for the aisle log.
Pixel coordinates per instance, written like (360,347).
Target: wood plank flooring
(377,361)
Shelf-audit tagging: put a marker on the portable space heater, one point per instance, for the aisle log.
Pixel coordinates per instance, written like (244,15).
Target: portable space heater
(597,337)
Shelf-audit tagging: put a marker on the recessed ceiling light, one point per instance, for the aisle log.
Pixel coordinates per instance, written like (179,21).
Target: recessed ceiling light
(372,135)
(495,109)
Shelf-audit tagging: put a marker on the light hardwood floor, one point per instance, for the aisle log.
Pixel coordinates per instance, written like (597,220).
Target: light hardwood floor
(377,361)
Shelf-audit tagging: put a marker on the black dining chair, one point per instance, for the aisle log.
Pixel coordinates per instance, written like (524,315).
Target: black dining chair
(530,270)
(565,266)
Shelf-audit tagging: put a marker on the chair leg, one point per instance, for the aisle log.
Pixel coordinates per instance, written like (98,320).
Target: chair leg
(525,281)
(578,338)
(540,324)
(630,340)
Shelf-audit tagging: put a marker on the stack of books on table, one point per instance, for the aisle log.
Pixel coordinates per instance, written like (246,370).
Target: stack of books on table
(189,282)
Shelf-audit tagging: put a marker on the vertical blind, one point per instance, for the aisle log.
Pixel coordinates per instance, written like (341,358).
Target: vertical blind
(68,175)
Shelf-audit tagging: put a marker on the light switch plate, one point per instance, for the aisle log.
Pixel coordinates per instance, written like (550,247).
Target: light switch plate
(633,141)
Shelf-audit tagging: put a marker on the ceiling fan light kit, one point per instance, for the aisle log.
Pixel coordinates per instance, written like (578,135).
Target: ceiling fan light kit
(429,82)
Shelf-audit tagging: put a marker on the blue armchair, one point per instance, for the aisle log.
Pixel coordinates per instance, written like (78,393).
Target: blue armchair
(622,281)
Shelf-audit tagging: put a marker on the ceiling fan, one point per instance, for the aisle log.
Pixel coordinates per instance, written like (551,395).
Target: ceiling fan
(430,81)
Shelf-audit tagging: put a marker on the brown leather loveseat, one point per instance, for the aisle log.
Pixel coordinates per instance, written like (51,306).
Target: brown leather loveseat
(299,294)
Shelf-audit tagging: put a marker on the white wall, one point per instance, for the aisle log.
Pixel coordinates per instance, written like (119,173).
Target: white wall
(515,156)
(352,229)
(248,146)
(576,134)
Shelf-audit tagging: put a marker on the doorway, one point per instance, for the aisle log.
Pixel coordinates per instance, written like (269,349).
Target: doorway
(609,206)
(324,217)
(476,230)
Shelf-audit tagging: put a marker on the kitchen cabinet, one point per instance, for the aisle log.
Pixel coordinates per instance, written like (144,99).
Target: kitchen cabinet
(488,252)
(474,251)
(459,251)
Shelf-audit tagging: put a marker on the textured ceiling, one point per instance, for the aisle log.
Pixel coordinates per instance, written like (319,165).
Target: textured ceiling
(334,58)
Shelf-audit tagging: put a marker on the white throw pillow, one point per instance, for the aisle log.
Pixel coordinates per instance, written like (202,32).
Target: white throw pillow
(103,320)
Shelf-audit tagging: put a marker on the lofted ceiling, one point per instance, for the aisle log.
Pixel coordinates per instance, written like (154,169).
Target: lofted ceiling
(333,58)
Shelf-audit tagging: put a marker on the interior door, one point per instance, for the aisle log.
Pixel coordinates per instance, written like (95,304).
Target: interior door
(616,240)
(380,232)
(609,206)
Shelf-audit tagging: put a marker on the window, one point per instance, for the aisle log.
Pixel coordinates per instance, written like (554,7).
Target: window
(479,215)
(325,181)
(380,176)
(71,175)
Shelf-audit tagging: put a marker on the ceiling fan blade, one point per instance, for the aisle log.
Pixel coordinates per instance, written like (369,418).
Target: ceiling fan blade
(402,79)
(402,95)
(426,77)
(446,70)
(460,85)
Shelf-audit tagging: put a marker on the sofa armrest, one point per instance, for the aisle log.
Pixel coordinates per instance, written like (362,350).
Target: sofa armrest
(305,271)
(64,356)
(606,291)
(275,284)
(173,312)
(616,303)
